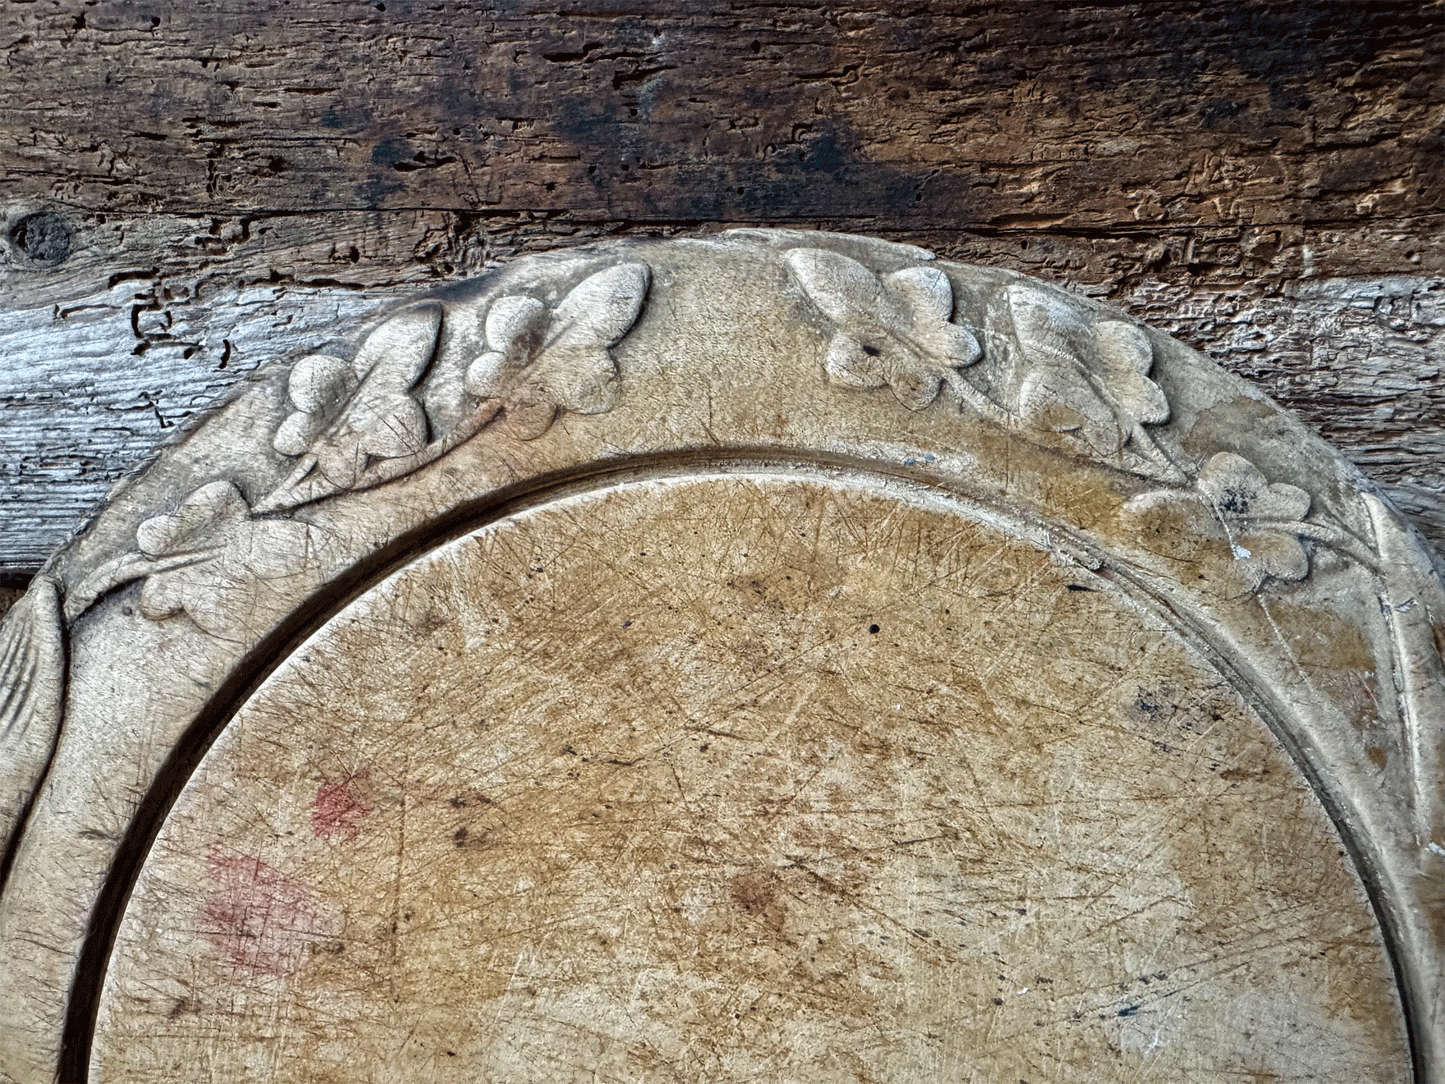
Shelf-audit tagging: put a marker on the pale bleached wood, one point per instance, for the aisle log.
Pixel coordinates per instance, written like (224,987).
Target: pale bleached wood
(109,374)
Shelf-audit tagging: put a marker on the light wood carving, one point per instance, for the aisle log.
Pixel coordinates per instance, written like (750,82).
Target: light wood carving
(782,656)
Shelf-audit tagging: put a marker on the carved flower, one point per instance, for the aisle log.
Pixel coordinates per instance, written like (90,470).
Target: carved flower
(1087,377)
(213,561)
(893,329)
(540,360)
(1263,519)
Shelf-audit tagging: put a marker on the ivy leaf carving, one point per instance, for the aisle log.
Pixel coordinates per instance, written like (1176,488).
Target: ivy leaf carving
(362,424)
(382,420)
(214,561)
(539,360)
(318,385)
(1088,377)
(1264,519)
(894,329)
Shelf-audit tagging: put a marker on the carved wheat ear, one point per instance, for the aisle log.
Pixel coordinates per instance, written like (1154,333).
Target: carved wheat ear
(32,683)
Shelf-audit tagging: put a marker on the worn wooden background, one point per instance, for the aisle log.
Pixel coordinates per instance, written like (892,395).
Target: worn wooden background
(190,191)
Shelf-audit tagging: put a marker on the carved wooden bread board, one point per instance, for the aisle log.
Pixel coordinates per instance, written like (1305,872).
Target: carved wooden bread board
(783,656)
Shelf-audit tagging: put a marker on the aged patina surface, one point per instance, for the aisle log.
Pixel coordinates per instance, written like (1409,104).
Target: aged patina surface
(785,654)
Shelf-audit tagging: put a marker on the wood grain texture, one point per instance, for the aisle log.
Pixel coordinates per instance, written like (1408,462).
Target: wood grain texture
(193,191)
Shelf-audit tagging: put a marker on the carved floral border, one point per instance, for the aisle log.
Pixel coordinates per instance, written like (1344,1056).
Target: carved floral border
(1060,372)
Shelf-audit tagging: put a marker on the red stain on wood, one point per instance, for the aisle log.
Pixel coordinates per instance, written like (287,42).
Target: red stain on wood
(261,918)
(336,809)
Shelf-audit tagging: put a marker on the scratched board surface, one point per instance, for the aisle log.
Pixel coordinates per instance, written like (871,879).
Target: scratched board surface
(747,778)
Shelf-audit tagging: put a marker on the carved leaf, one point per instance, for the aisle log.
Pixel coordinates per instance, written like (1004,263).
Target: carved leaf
(1262,521)
(1061,400)
(1263,518)
(32,685)
(573,368)
(1239,491)
(320,382)
(847,362)
(193,524)
(538,360)
(843,289)
(1086,376)
(213,560)
(895,329)
(381,420)
(388,427)
(925,291)
(601,309)
(1125,358)
(1270,553)
(529,420)
(395,355)
(296,432)
(318,385)
(515,327)
(541,361)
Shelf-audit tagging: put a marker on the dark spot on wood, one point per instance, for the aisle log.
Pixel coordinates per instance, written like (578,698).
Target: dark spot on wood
(42,237)
(756,894)
(1234,774)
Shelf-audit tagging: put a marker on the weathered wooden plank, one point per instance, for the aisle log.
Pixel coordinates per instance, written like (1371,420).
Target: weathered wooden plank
(1089,116)
(191,192)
